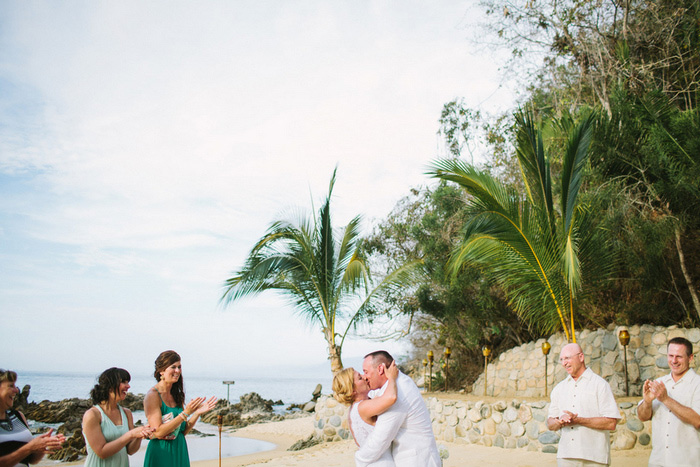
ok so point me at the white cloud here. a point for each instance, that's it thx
(157, 141)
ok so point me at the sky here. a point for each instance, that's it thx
(145, 147)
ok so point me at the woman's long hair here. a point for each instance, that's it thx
(164, 360)
(108, 382)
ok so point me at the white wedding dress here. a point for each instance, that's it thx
(362, 430)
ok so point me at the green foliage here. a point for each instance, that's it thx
(576, 51)
(462, 312)
(540, 256)
(554, 237)
(323, 273)
(650, 151)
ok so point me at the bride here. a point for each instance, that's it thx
(350, 387)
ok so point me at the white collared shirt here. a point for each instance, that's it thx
(589, 396)
(675, 443)
(379, 391)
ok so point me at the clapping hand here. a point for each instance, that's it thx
(206, 406)
(142, 432)
(47, 442)
(568, 418)
(647, 393)
(654, 390)
(659, 390)
(193, 405)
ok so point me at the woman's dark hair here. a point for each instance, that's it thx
(8, 375)
(164, 360)
(107, 383)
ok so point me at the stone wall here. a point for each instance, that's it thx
(518, 424)
(331, 420)
(520, 372)
(502, 424)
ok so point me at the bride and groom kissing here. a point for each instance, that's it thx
(388, 417)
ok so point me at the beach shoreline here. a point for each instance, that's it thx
(341, 454)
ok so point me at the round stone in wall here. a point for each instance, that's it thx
(634, 424)
(549, 437)
(644, 439)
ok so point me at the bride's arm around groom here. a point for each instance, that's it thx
(405, 428)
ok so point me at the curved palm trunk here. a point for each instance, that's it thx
(334, 357)
(686, 275)
(333, 351)
(572, 337)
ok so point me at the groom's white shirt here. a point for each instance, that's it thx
(407, 424)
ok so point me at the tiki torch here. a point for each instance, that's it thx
(624, 340)
(220, 421)
(486, 351)
(546, 347)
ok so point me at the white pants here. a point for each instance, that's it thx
(577, 463)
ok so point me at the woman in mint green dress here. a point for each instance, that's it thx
(108, 428)
(167, 413)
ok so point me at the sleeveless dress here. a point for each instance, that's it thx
(361, 430)
(111, 432)
(170, 452)
(13, 435)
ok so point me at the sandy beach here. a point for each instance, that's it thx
(285, 433)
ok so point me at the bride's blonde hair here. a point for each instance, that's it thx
(344, 386)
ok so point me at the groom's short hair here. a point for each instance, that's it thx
(380, 356)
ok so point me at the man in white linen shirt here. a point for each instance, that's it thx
(672, 402)
(584, 409)
(405, 427)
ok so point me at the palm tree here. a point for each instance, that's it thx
(541, 256)
(324, 274)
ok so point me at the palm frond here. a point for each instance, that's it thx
(321, 272)
(533, 161)
(575, 161)
(535, 254)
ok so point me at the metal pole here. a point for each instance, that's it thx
(486, 351)
(546, 347)
(430, 360)
(624, 337)
(447, 370)
(448, 353)
(627, 382)
(228, 390)
(486, 367)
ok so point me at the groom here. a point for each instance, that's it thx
(405, 428)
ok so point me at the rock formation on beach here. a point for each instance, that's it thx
(252, 408)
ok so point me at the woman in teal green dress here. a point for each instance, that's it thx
(167, 413)
(108, 428)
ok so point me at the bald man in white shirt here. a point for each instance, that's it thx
(584, 410)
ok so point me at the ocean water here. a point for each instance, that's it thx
(58, 386)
